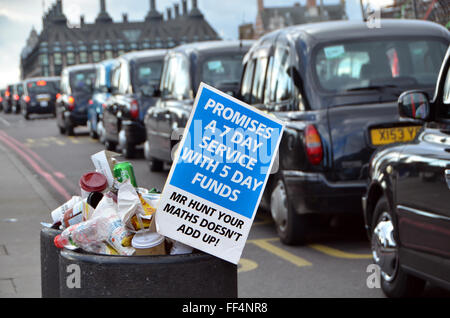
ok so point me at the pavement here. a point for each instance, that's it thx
(24, 203)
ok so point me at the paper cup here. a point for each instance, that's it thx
(148, 243)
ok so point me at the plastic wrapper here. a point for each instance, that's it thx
(130, 206)
(87, 235)
(92, 235)
(118, 236)
(105, 208)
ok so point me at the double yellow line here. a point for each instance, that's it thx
(301, 262)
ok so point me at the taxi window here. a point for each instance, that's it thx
(42, 87)
(176, 82)
(404, 63)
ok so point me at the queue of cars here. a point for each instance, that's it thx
(350, 133)
(32, 96)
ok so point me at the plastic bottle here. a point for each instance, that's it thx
(92, 234)
(86, 235)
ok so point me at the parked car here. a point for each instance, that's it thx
(102, 93)
(7, 101)
(2, 96)
(39, 96)
(335, 84)
(134, 83)
(17, 96)
(77, 86)
(217, 63)
(407, 205)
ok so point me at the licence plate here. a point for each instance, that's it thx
(44, 104)
(385, 136)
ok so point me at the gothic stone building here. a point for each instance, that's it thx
(272, 18)
(61, 44)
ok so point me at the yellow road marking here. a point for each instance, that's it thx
(263, 220)
(337, 253)
(58, 141)
(74, 140)
(294, 259)
(246, 265)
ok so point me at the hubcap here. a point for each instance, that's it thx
(278, 205)
(89, 127)
(101, 132)
(122, 139)
(384, 247)
(147, 150)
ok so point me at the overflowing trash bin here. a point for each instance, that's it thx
(104, 243)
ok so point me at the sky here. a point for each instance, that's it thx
(18, 17)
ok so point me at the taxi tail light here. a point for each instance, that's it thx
(71, 103)
(134, 109)
(313, 143)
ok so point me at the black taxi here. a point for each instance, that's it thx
(336, 86)
(407, 205)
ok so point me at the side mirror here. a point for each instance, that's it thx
(414, 104)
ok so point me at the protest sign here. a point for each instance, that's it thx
(217, 179)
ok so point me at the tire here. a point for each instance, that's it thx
(25, 114)
(62, 130)
(292, 228)
(101, 133)
(395, 282)
(128, 151)
(156, 165)
(69, 128)
(110, 145)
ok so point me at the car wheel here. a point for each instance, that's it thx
(62, 130)
(25, 114)
(68, 127)
(110, 145)
(156, 165)
(291, 227)
(69, 130)
(101, 133)
(127, 149)
(395, 282)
